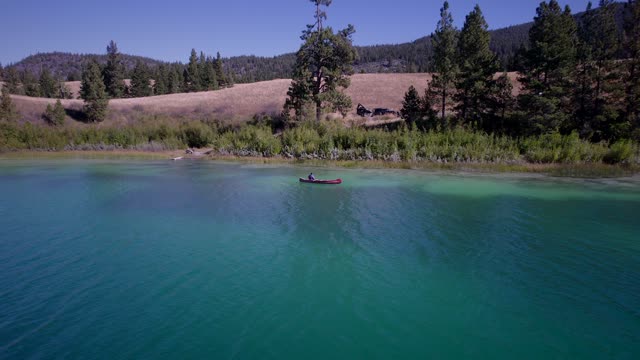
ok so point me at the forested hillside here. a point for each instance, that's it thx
(68, 66)
(394, 58)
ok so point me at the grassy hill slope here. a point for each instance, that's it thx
(241, 102)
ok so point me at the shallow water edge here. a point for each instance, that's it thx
(584, 170)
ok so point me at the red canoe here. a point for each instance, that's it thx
(332, 182)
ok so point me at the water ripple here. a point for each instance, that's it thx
(199, 260)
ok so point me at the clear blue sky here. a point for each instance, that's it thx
(167, 30)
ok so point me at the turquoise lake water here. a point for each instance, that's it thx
(203, 260)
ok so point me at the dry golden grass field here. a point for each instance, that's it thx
(240, 102)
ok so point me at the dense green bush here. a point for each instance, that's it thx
(301, 140)
(555, 148)
(197, 135)
(326, 140)
(620, 152)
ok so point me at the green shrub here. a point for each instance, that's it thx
(328, 140)
(55, 114)
(197, 135)
(620, 152)
(301, 140)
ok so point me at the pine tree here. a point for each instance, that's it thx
(30, 84)
(429, 102)
(7, 108)
(598, 92)
(202, 71)
(1, 72)
(220, 75)
(632, 78)
(92, 91)
(192, 73)
(583, 91)
(518, 59)
(230, 78)
(48, 86)
(549, 67)
(140, 80)
(501, 103)
(411, 106)
(444, 42)
(323, 65)
(161, 80)
(477, 65)
(114, 72)
(55, 115)
(608, 103)
(185, 80)
(211, 77)
(12, 80)
(175, 80)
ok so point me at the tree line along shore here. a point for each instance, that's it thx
(579, 102)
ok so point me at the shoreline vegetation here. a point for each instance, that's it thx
(582, 170)
(327, 143)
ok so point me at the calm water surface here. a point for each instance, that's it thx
(194, 260)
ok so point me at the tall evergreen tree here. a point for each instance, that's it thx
(12, 80)
(211, 78)
(501, 103)
(7, 108)
(114, 72)
(230, 79)
(92, 91)
(323, 65)
(192, 73)
(1, 72)
(632, 78)
(477, 65)
(418, 110)
(583, 90)
(30, 84)
(175, 80)
(444, 41)
(161, 80)
(518, 59)
(429, 103)
(140, 80)
(608, 92)
(48, 85)
(185, 83)
(202, 71)
(221, 78)
(549, 67)
(598, 92)
(411, 106)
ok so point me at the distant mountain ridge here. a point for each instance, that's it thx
(393, 58)
(68, 66)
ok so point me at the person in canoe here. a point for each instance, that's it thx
(311, 177)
